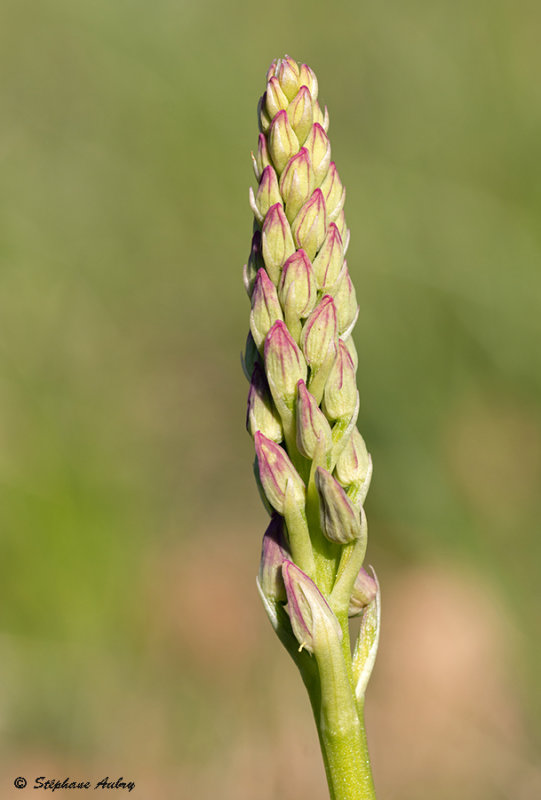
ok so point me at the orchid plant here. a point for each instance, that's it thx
(312, 466)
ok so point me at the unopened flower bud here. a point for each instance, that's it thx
(255, 263)
(287, 72)
(276, 471)
(284, 364)
(250, 357)
(352, 350)
(273, 556)
(307, 77)
(328, 262)
(297, 183)
(340, 396)
(266, 309)
(277, 242)
(300, 113)
(268, 193)
(319, 335)
(261, 415)
(340, 520)
(312, 425)
(333, 192)
(297, 288)
(310, 225)
(276, 100)
(345, 301)
(312, 619)
(262, 116)
(354, 463)
(319, 148)
(364, 592)
(262, 157)
(283, 144)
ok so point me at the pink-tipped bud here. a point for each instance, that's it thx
(300, 113)
(352, 350)
(322, 118)
(287, 72)
(319, 335)
(275, 98)
(273, 555)
(312, 619)
(341, 396)
(261, 415)
(345, 301)
(266, 308)
(365, 590)
(297, 183)
(329, 260)
(276, 472)
(312, 425)
(340, 521)
(354, 464)
(319, 147)
(307, 77)
(297, 288)
(333, 192)
(277, 241)
(283, 144)
(310, 225)
(284, 364)
(268, 193)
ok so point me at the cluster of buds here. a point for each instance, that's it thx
(312, 465)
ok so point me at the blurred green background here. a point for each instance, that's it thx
(132, 641)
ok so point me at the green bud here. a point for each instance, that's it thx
(297, 183)
(284, 365)
(275, 99)
(329, 260)
(276, 472)
(340, 396)
(297, 289)
(345, 301)
(261, 415)
(268, 193)
(354, 464)
(283, 144)
(266, 308)
(277, 241)
(333, 192)
(319, 335)
(287, 72)
(319, 148)
(340, 521)
(312, 425)
(301, 115)
(310, 225)
(312, 619)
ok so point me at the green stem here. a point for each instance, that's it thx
(340, 725)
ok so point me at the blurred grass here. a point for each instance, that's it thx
(124, 223)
